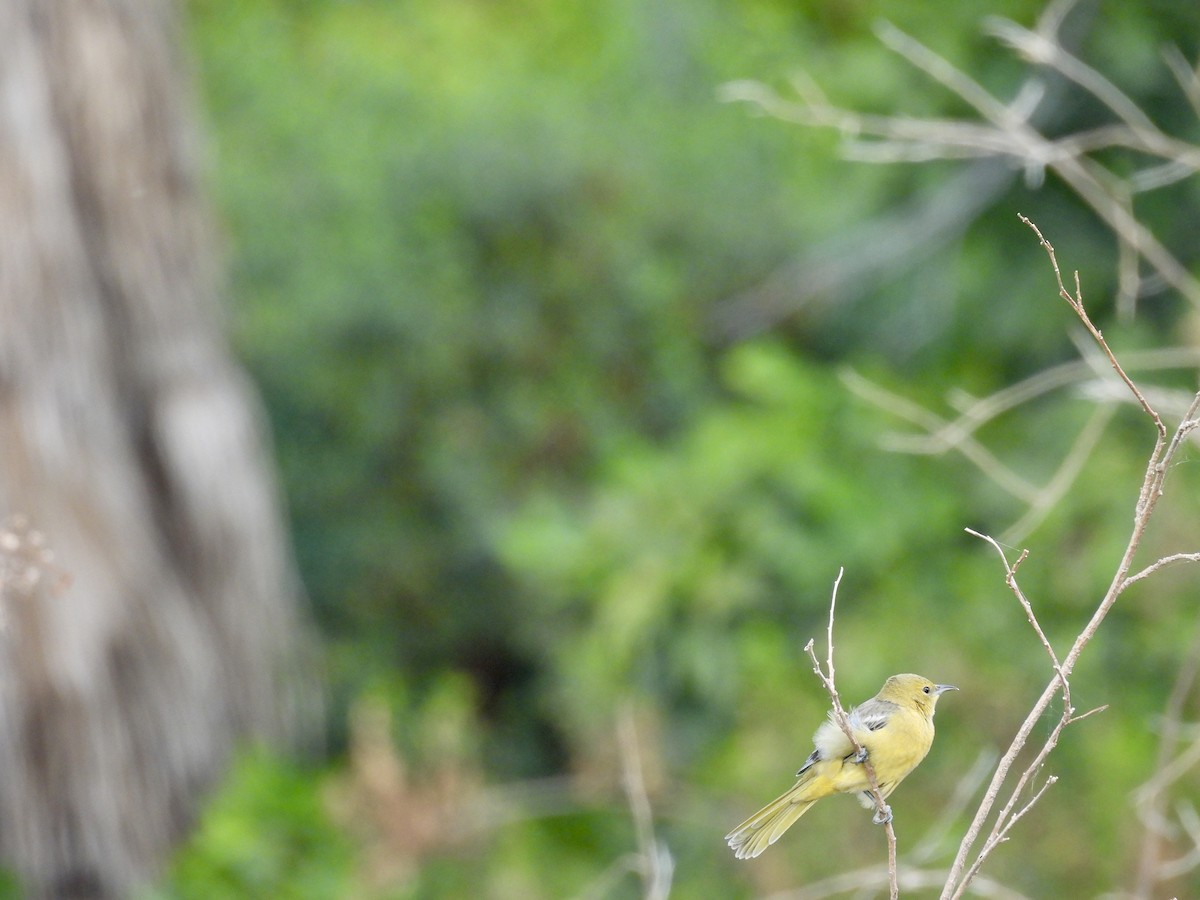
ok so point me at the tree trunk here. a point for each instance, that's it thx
(132, 443)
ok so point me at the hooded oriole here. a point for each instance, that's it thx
(894, 728)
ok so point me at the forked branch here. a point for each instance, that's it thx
(961, 874)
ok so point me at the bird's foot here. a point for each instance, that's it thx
(860, 755)
(882, 817)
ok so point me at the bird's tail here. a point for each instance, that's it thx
(766, 826)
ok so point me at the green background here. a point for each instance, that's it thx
(544, 477)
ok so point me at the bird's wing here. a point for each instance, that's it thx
(872, 715)
(831, 742)
(813, 758)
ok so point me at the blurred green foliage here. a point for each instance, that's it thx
(266, 835)
(478, 251)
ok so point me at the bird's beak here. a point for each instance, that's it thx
(940, 689)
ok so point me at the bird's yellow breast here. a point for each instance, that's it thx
(894, 751)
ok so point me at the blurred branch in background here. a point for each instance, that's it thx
(654, 861)
(1007, 131)
(1089, 379)
(849, 265)
(846, 266)
(1175, 758)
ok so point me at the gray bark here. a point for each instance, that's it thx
(165, 628)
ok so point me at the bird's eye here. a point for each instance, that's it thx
(925, 689)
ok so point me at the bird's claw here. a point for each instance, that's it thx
(860, 755)
(882, 817)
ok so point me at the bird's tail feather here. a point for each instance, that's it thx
(766, 826)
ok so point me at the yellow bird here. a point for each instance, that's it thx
(894, 728)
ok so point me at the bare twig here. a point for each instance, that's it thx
(1162, 564)
(1041, 48)
(1007, 818)
(1161, 457)
(943, 435)
(1000, 832)
(828, 679)
(652, 862)
(1076, 302)
(1010, 578)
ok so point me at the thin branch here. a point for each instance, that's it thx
(1151, 491)
(950, 76)
(1003, 834)
(1161, 564)
(1000, 834)
(1068, 470)
(1089, 713)
(1010, 578)
(1065, 477)
(843, 721)
(1007, 818)
(1136, 131)
(956, 886)
(1076, 302)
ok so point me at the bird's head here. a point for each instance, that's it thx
(914, 690)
